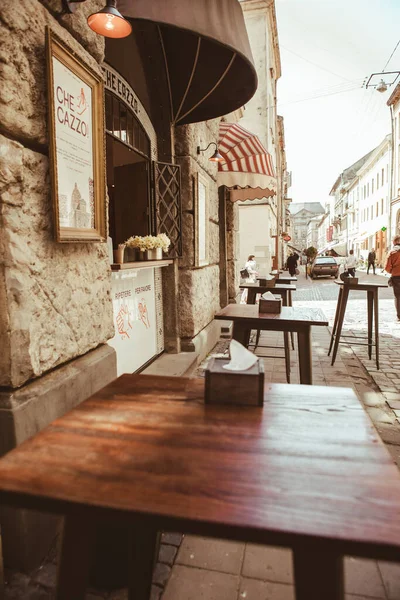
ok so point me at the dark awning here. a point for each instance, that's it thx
(206, 51)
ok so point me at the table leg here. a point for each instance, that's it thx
(336, 319)
(376, 327)
(241, 334)
(287, 354)
(342, 310)
(73, 567)
(370, 300)
(144, 542)
(318, 575)
(251, 295)
(305, 362)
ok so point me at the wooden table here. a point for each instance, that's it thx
(306, 471)
(372, 290)
(283, 290)
(246, 317)
(286, 279)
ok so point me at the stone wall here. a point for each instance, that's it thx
(54, 298)
(198, 285)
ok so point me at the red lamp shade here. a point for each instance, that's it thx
(109, 22)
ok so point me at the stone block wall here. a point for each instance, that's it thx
(54, 298)
(198, 285)
(233, 249)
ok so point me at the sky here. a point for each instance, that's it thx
(328, 48)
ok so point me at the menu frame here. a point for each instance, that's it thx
(80, 215)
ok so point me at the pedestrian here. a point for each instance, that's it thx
(393, 267)
(350, 264)
(292, 264)
(251, 268)
(371, 260)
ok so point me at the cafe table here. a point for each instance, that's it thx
(282, 290)
(306, 471)
(372, 290)
(246, 317)
(285, 279)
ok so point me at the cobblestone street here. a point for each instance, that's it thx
(201, 568)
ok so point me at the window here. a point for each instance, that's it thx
(377, 209)
(382, 206)
(383, 176)
(367, 189)
(377, 180)
(122, 124)
(372, 186)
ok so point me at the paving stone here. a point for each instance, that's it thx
(209, 553)
(161, 574)
(167, 554)
(254, 589)
(188, 583)
(362, 576)
(268, 563)
(174, 539)
(391, 579)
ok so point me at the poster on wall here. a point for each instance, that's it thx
(76, 140)
(134, 307)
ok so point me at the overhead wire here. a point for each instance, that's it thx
(390, 57)
(315, 64)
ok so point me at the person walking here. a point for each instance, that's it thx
(292, 264)
(393, 267)
(350, 264)
(371, 260)
(251, 267)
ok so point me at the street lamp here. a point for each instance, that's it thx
(387, 79)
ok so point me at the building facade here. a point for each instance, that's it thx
(301, 214)
(394, 105)
(261, 220)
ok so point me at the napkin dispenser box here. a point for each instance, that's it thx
(270, 306)
(351, 281)
(240, 388)
(269, 283)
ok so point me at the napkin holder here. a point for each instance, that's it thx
(351, 281)
(268, 282)
(240, 388)
(272, 306)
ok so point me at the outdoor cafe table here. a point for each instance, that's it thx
(306, 471)
(372, 290)
(246, 317)
(286, 279)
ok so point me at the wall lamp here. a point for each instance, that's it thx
(107, 22)
(216, 157)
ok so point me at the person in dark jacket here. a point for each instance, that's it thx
(292, 264)
(371, 260)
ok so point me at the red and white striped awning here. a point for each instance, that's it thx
(248, 166)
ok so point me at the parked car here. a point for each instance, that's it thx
(323, 265)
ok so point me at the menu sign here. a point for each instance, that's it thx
(134, 307)
(76, 146)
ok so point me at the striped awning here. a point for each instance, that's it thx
(247, 169)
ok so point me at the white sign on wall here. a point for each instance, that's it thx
(134, 306)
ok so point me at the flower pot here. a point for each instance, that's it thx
(154, 254)
(130, 254)
(119, 255)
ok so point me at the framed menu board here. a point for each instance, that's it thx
(76, 145)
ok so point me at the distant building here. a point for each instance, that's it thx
(301, 214)
(394, 103)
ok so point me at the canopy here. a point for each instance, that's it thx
(339, 247)
(247, 166)
(206, 52)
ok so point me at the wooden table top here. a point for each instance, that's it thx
(286, 277)
(292, 314)
(363, 285)
(283, 286)
(307, 467)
